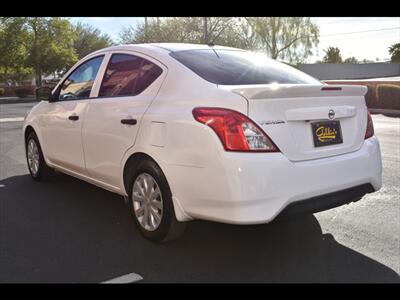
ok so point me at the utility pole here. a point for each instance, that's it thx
(145, 29)
(205, 30)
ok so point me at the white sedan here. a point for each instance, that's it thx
(204, 132)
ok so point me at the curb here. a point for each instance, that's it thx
(17, 100)
(389, 112)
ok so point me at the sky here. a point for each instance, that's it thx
(361, 37)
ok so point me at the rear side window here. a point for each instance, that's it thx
(236, 67)
(127, 75)
(149, 73)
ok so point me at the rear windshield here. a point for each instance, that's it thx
(235, 67)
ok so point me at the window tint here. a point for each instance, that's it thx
(149, 73)
(235, 67)
(79, 83)
(120, 76)
(127, 75)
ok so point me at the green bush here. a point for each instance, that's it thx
(23, 92)
(388, 96)
(2, 91)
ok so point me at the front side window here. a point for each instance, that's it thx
(79, 83)
(128, 75)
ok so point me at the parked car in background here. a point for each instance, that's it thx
(189, 132)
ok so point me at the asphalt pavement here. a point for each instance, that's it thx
(67, 230)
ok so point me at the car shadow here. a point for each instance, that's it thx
(67, 230)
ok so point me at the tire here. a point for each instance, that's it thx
(167, 227)
(43, 172)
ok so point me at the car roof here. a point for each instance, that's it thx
(186, 46)
(166, 47)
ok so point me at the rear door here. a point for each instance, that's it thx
(130, 81)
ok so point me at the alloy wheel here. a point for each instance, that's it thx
(33, 156)
(147, 201)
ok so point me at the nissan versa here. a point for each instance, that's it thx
(204, 132)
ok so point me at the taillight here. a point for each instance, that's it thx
(370, 126)
(236, 131)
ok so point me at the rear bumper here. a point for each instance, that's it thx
(328, 201)
(243, 188)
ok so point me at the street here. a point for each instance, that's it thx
(67, 230)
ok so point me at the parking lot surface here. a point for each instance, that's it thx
(67, 230)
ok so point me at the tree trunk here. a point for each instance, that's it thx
(38, 72)
(38, 78)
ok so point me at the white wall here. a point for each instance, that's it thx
(350, 71)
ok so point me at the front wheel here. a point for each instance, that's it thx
(150, 203)
(34, 156)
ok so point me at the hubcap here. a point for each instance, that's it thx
(33, 156)
(147, 202)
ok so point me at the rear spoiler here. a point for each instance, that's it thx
(262, 91)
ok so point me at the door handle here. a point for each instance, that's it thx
(129, 121)
(73, 118)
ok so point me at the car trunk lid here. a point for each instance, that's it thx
(286, 113)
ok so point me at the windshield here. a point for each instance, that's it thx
(236, 67)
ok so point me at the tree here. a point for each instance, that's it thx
(219, 30)
(246, 37)
(50, 45)
(44, 45)
(351, 60)
(89, 39)
(332, 56)
(367, 61)
(394, 51)
(287, 38)
(238, 34)
(153, 31)
(199, 30)
(41, 46)
(12, 51)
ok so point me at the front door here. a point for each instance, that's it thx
(63, 119)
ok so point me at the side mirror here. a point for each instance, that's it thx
(43, 93)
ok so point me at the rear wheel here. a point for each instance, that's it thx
(34, 156)
(150, 203)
